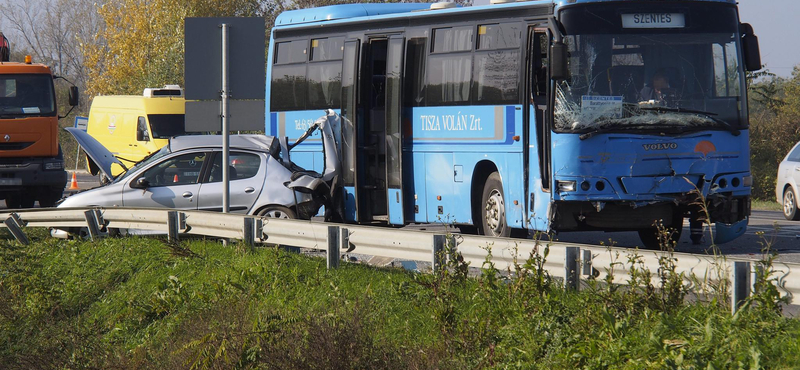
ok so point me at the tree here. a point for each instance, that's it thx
(141, 41)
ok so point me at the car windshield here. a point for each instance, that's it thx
(628, 78)
(143, 163)
(24, 95)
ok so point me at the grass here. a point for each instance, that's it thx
(766, 205)
(140, 303)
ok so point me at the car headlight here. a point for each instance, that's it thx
(53, 165)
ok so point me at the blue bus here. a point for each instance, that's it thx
(560, 115)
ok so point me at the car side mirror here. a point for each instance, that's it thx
(141, 183)
(73, 96)
(558, 61)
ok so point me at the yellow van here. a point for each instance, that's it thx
(131, 127)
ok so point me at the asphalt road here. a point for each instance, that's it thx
(765, 228)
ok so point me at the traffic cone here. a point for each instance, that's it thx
(175, 179)
(74, 184)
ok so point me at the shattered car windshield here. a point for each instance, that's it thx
(651, 81)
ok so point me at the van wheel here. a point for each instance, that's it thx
(277, 212)
(789, 205)
(493, 208)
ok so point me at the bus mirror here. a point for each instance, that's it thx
(73, 96)
(558, 61)
(752, 56)
(141, 135)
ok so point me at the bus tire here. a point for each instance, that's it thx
(493, 208)
(651, 236)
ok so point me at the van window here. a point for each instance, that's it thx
(165, 126)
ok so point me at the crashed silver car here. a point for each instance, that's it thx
(187, 174)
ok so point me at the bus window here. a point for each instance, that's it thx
(496, 75)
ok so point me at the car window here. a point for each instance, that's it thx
(794, 156)
(181, 170)
(241, 166)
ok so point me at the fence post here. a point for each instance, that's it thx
(249, 231)
(571, 278)
(439, 242)
(333, 247)
(173, 225)
(13, 224)
(91, 224)
(741, 284)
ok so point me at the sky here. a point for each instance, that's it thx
(776, 24)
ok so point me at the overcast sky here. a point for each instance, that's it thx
(777, 26)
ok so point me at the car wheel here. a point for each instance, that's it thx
(277, 212)
(493, 208)
(789, 205)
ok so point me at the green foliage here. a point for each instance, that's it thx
(141, 303)
(774, 127)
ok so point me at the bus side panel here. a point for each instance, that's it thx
(510, 169)
(415, 192)
(439, 183)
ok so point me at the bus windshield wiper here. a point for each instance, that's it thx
(606, 128)
(709, 115)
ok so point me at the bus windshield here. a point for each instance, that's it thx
(26, 95)
(651, 80)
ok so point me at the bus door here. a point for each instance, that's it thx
(537, 83)
(379, 149)
(349, 125)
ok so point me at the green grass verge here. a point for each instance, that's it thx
(139, 303)
(765, 205)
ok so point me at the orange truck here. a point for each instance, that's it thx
(31, 161)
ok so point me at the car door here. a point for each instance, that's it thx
(247, 171)
(173, 182)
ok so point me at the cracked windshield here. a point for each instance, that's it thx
(651, 81)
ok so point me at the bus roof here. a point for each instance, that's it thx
(370, 11)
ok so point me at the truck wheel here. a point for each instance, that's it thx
(20, 201)
(493, 208)
(50, 197)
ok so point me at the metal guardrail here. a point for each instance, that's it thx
(567, 261)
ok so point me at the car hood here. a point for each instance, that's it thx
(101, 156)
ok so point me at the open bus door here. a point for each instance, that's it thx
(394, 147)
(538, 129)
(349, 124)
(378, 132)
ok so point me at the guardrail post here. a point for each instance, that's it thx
(741, 284)
(14, 225)
(333, 247)
(587, 263)
(249, 231)
(439, 243)
(173, 225)
(91, 224)
(571, 278)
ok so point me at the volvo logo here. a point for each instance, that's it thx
(660, 146)
(7, 138)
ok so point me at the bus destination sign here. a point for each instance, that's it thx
(653, 20)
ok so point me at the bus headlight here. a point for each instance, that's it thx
(564, 186)
(53, 165)
(747, 181)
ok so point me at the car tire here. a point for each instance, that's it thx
(276, 212)
(493, 210)
(789, 205)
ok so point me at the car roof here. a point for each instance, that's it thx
(262, 143)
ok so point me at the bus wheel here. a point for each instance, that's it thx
(493, 208)
(276, 212)
(651, 237)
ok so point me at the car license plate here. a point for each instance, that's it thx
(10, 182)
